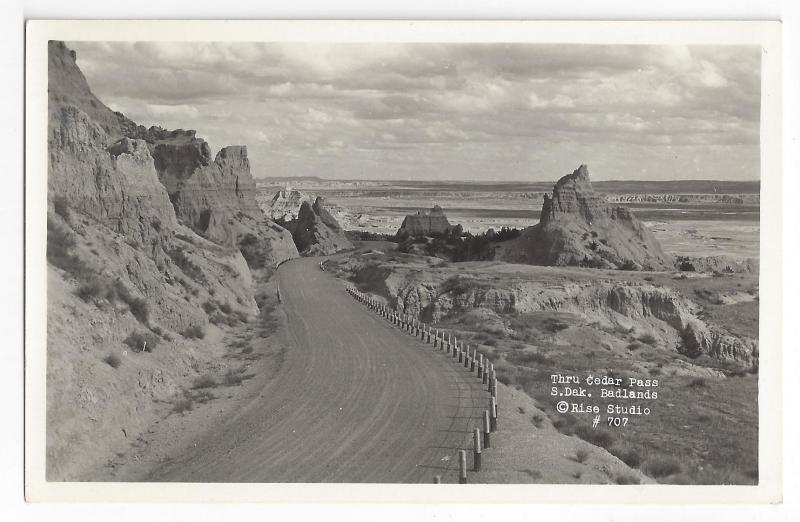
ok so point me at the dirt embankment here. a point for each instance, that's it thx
(119, 364)
(628, 302)
(151, 251)
(534, 321)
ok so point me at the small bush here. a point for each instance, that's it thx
(219, 318)
(704, 418)
(581, 456)
(112, 360)
(194, 331)
(625, 479)
(138, 308)
(537, 420)
(554, 325)
(629, 456)
(648, 339)
(225, 308)
(662, 467)
(634, 346)
(208, 307)
(204, 381)
(597, 436)
(233, 378)
(698, 382)
(529, 359)
(61, 207)
(178, 256)
(136, 341)
(182, 405)
(60, 243)
(93, 289)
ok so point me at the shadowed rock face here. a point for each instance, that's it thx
(579, 227)
(285, 204)
(425, 223)
(316, 231)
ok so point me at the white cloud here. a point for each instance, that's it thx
(435, 110)
(710, 75)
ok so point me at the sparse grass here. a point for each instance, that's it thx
(113, 360)
(661, 467)
(95, 288)
(689, 426)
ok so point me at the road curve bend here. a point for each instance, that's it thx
(356, 400)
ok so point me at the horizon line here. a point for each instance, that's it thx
(321, 178)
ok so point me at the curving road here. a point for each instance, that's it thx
(356, 400)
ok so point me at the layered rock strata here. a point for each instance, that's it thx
(578, 227)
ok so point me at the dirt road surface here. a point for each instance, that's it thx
(356, 400)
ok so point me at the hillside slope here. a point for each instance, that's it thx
(139, 294)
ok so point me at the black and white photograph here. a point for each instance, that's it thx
(423, 262)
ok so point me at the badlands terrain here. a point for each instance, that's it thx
(612, 302)
(192, 334)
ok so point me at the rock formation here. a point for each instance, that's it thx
(426, 223)
(579, 227)
(214, 198)
(316, 231)
(285, 204)
(147, 238)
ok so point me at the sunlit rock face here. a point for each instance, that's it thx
(579, 227)
(426, 223)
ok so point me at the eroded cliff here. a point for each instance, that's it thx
(578, 227)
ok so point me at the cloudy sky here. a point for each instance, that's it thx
(448, 111)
